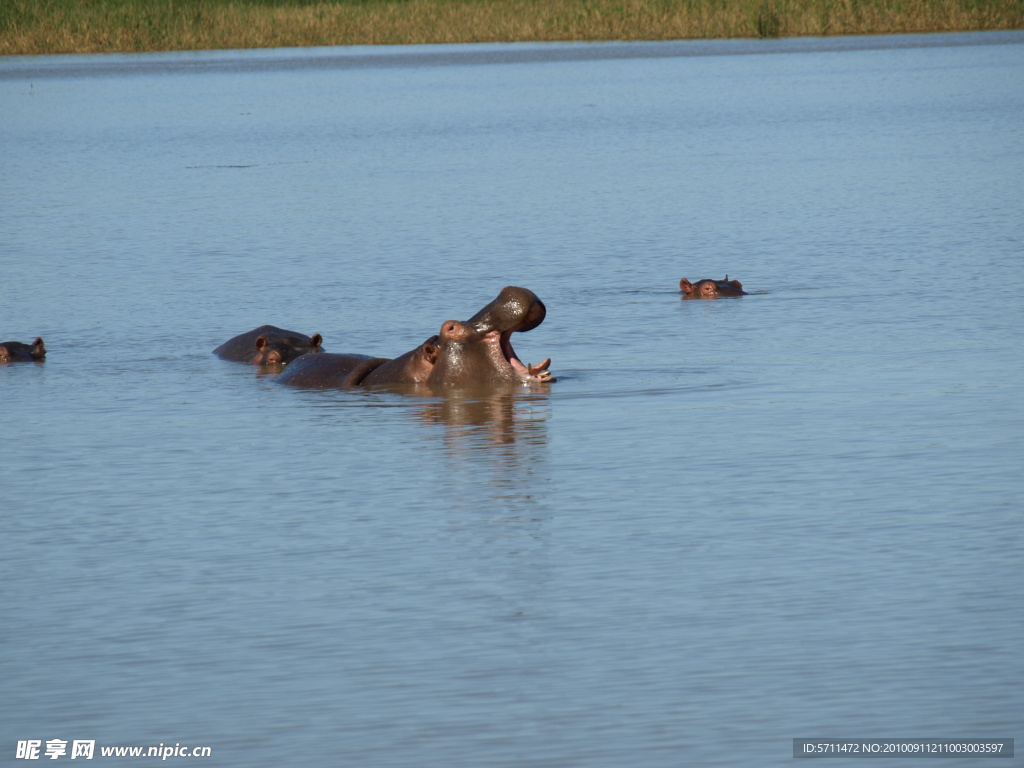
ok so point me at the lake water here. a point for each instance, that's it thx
(730, 523)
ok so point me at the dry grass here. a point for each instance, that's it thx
(65, 26)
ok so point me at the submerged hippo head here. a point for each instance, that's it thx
(268, 345)
(281, 350)
(16, 352)
(710, 289)
(479, 351)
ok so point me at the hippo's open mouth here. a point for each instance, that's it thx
(529, 373)
(514, 310)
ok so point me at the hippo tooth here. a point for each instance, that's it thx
(536, 370)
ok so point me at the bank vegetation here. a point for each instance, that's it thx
(80, 26)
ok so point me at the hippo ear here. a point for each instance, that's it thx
(38, 350)
(261, 342)
(734, 283)
(316, 340)
(685, 286)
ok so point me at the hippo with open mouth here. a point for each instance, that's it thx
(475, 353)
(711, 289)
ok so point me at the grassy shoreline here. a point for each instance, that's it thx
(93, 26)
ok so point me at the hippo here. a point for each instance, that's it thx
(16, 352)
(470, 354)
(710, 289)
(268, 345)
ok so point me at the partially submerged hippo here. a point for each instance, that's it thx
(709, 289)
(16, 352)
(474, 353)
(268, 345)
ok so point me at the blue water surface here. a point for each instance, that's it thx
(728, 524)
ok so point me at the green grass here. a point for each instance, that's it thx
(67, 26)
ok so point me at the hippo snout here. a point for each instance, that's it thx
(513, 310)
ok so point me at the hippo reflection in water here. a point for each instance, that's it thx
(268, 345)
(710, 289)
(475, 353)
(16, 352)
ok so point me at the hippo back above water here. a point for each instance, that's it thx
(476, 353)
(268, 345)
(16, 352)
(711, 289)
